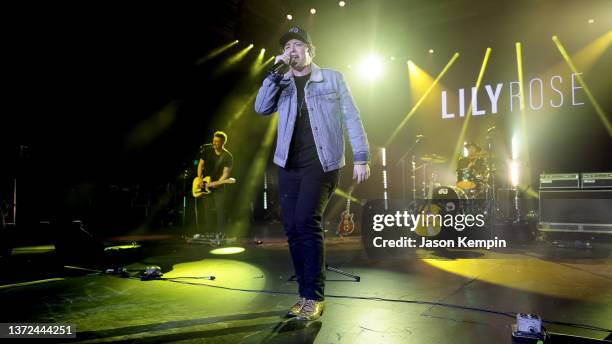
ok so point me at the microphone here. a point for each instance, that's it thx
(280, 65)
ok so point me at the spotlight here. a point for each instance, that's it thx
(227, 250)
(392, 58)
(289, 17)
(341, 3)
(371, 67)
(431, 51)
(313, 11)
(591, 21)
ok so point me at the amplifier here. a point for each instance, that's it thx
(560, 181)
(599, 180)
(576, 211)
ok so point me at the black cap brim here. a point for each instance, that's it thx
(292, 35)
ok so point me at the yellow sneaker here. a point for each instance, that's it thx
(297, 307)
(312, 310)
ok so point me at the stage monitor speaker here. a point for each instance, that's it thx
(576, 210)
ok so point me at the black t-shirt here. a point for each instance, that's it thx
(302, 150)
(213, 163)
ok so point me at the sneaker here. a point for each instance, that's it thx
(312, 310)
(297, 307)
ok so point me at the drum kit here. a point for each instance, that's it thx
(473, 190)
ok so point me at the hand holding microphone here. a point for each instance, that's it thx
(282, 63)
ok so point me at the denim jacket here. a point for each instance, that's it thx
(332, 111)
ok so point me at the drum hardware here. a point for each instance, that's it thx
(403, 160)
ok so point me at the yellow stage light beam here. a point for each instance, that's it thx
(255, 174)
(244, 106)
(468, 115)
(341, 193)
(216, 52)
(420, 81)
(495, 271)
(600, 112)
(239, 55)
(232, 60)
(151, 128)
(585, 58)
(269, 60)
(257, 64)
(416, 106)
(525, 150)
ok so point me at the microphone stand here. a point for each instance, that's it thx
(491, 197)
(402, 160)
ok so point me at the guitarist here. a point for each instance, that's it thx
(216, 162)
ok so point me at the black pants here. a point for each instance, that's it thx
(213, 207)
(304, 194)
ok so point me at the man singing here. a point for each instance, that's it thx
(314, 109)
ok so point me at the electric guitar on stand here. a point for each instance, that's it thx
(347, 225)
(198, 190)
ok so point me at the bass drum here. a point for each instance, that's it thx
(450, 199)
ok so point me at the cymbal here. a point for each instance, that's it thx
(477, 156)
(433, 159)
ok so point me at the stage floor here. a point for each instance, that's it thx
(445, 299)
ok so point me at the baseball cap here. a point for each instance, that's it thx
(297, 33)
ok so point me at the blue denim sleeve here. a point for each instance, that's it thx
(353, 124)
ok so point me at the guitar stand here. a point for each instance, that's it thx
(333, 269)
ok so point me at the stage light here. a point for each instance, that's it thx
(216, 52)
(349, 66)
(341, 3)
(598, 109)
(289, 17)
(514, 173)
(385, 181)
(591, 21)
(371, 67)
(258, 64)
(238, 56)
(313, 11)
(227, 250)
(519, 65)
(431, 51)
(265, 191)
(420, 101)
(471, 109)
(384, 157)
(392, 58)
(515, 148)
